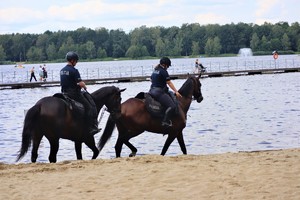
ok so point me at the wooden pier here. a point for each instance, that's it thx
(147, 78)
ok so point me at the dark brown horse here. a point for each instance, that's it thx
(53, 118)
(135, 119)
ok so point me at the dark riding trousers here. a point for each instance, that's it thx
(159, 90)
(163, 97)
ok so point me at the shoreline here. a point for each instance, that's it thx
(271, 174)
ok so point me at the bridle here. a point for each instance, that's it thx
(114, 110)
(195, 88)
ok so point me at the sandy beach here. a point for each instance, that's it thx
(243, 175)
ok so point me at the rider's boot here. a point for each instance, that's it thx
(166, 120)
(93, 125)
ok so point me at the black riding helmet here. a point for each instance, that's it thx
(71, 55)
(165, 60)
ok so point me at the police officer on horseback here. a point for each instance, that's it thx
(159, 90)
(71, 85)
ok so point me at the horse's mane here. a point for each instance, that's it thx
(104, 91)
(185, 88)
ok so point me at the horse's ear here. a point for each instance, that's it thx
(122, 90)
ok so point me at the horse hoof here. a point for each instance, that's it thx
(95, 156)
(132, 154)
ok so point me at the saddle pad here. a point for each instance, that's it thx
(154, 107)
(76, 106)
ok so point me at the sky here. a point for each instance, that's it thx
(32, 16)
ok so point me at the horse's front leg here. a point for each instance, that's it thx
(118, 146)
(181, 143)
(78, 146)
(168, 142)
(90, 142)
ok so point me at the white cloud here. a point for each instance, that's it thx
(274, 11)
(18, 15)
(265, 7)
(211, 18)
(33, 17)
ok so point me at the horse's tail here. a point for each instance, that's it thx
(109, 128)
(29, 124)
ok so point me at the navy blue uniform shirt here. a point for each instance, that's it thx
(159, 77)
(69, 77)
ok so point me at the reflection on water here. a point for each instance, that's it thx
(245, 113)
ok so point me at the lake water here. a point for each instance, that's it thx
(244, 113)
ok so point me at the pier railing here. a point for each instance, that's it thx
(18, 76)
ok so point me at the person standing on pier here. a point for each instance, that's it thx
(41, 73)
(32, 75)
(45, 74)
(71, 85)
(199, 67)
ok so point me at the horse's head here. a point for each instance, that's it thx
(109, 96)
(197, 88)
(113, 102)
(192, 88)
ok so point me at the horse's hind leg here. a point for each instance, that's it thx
(90, 142)
(132, 148)
(54, 145)
(168, 142)
(35, 146)
(181, 143)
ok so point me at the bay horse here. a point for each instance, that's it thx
(135, 119)
(53, 118)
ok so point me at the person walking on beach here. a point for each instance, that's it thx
(32, 75)
(159, 91)
(71, 85)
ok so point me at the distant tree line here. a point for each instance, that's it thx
(187, 40)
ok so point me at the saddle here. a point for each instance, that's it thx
(75, 106)
(154, 107)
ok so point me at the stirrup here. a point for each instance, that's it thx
(94, 131)
(167, 123)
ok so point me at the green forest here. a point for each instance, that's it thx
(143, 42)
